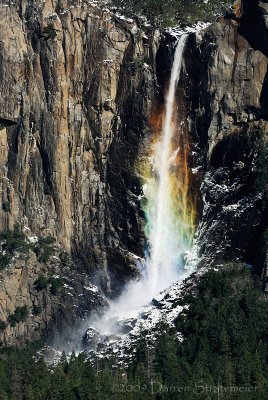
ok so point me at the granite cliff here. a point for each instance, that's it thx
(75, 93)
(77, 85)
(224, 87)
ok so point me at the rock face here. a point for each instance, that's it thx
(254, 24)
(227, 93)
(77, 84)
(53, 295)
(74, 98)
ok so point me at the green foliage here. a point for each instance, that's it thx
(224, 331)
(15, 240)
(4, 261)
(44, 248)
(41, 283)
(50, 32)
(37, 310)
(45, 255)
(20, 315)
(172, 12)
(224, 335)
(46, 241)
(56, 285)
(3, 325)
(6, 206)
(64, 257)
(12, 241)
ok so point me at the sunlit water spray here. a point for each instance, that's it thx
(169, 211)
(166, 209)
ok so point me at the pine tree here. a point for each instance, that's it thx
(59, 388)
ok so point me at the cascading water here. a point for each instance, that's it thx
(169, 212)
(168, 225)
(168, 209)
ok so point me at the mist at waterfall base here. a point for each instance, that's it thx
(169, 212)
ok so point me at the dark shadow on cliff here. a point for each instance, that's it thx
(264, 95)
(253, 26)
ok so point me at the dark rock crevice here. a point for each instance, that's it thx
(253, 24)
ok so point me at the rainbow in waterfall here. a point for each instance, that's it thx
(168, 205)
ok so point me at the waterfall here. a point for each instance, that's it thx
(168, 209)
(167, 243)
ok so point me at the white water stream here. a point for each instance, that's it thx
(167, 241)
(167, 244)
